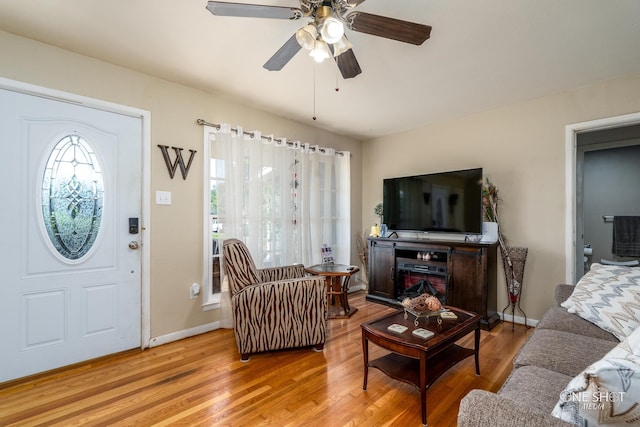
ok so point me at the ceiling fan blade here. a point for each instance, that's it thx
(221, 8)
(348, 64)
(390, 28)
(283, 55)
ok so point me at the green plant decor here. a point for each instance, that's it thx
(378, 210)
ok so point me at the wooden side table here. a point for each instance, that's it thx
(337, 277)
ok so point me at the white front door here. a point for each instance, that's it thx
(70, 276)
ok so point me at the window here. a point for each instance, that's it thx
(284, 200)
(72, 197)
(216, 179)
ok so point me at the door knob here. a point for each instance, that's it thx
(133, 245)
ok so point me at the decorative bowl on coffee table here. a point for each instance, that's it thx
(423, 314)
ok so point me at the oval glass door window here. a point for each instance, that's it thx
(72, 197)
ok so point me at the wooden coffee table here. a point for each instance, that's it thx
(416, 360)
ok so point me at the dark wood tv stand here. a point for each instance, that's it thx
(468, 272)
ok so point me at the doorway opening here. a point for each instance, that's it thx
(593, 148)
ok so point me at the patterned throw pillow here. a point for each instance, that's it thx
(608, 296)
(607, 393)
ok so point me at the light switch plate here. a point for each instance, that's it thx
(163, 197)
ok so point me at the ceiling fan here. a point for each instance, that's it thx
(324, 35)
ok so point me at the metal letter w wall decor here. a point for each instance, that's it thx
(178, 162)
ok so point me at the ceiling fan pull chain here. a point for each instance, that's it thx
(314, 91)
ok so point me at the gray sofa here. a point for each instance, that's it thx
(561, 346)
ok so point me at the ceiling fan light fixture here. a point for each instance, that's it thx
(306, 36)
(320, 51)
(332, 30)
(341, 46)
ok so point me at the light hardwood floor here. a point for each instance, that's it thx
(200, 381)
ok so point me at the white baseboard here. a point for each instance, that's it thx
(518, 319)
(358, 286)
(185, 333)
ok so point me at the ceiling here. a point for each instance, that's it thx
(481, 54)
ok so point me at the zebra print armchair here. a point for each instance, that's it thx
(273, 308)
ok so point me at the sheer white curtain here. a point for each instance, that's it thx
(283, 199)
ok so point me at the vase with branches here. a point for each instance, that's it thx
(513, 258)
(362, 247)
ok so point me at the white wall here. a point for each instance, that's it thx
(176, 230)
(522, 150)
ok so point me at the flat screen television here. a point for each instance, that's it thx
(448, 202)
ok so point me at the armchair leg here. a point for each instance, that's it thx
(244, 357)
(318, 347)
